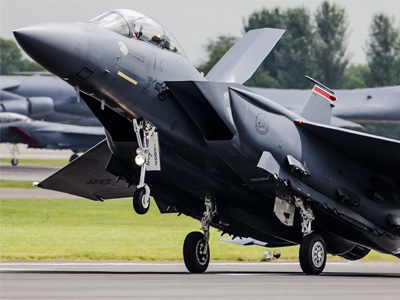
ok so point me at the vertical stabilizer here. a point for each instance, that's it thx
(243, 59)
(318, 107)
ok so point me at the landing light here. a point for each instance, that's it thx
(139, 159)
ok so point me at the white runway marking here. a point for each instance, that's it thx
(141, 263)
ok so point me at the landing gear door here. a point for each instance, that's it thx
(154, 151)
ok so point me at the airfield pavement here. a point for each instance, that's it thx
(170, 280)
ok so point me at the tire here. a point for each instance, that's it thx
(195, 258)
(14, 161)
(73, 157)
(140, 203)
(312, 254)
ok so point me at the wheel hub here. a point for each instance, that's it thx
(201, 253)
(318, 254)
(145, 201)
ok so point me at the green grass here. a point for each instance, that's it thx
(16, 184)
(81, 229)
(37, 161)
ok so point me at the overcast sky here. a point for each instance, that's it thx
(192, 22)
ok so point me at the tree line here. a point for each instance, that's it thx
(11, 60)
(315, 44)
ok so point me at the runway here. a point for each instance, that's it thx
(32, 173)
(223, 280)
(27, 172)
(170, 280)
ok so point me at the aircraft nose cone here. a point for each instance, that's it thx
(58, 47)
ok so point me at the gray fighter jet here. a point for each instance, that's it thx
(46, 98)
(212, 149)
(16, 128)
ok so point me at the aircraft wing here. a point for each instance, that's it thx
(24, 136)
(379, 153)
(73, 130)
(339, 122)
(8, 83)
(243, 59)
(87, 177)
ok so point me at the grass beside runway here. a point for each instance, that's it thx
(110, 230)
(37, 161)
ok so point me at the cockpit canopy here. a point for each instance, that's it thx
(135, 25)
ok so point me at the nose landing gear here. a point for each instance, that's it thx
(148, 158)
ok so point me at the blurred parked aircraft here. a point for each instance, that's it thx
(46, 98)
(16, 128)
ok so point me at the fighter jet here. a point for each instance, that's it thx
(212, 149)
(46, 98)
(16, 128)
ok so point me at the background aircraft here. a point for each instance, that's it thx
(44, 97)
(48, 98)
(216, 151)
(16, 128)
(373, 104)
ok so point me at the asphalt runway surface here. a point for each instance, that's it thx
(223, 280)
(27, 172)
(34, 173)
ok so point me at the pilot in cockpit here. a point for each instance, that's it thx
(136, 34)
(138, 26)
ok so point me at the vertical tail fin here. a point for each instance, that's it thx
(318, 107)
(243, 59)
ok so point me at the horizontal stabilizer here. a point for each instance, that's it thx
(378, 153)
(243, 59)
(86, 177)
(339, 122)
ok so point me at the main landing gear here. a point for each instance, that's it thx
(14, 150)
(148, 158)
(196, 252)
(312, 254)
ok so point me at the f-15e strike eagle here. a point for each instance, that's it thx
(210, 148)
